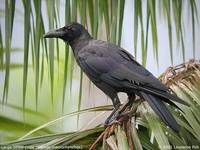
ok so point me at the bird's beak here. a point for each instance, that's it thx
(58, 33)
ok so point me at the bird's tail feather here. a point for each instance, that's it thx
(165, 95)
(159, 93)
(161, 110)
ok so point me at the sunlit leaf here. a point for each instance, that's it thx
(156, 130)
(152, 8)
(192, 4)
(80, 94)
(9, 17)
(37, 4)
(167, 6)
(137, 5)
(67, 20)
(114, 12)
(112, 142)
(63, 139)
(140, 15)
(105, 11)
(136, 140)
(71, 60)
(147, 36)
(82, 5)
(100, 108)
(121, 137)
(27, 9)
(120, 19)
(1, 48)
(51, 17)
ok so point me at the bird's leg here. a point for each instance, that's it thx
(116, 104)
(117, 113)
(131, 98)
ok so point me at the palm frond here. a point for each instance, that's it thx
(27, 9)
(9, 18)
(144, 129)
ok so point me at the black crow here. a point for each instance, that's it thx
(112, 69)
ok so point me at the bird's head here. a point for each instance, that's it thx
(69, 33)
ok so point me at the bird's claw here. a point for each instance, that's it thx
(111, 119)
(117, 114)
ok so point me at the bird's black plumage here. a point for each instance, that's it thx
(112, 69)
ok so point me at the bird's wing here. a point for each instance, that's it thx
(142, 79)
(107, 60)
(136, 73)
(95, 63)
(116, 67)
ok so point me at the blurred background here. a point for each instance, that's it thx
(40, 80)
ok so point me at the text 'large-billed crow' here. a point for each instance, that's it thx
(112, 69)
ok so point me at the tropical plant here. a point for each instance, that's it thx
(47, 76)
(142, 128)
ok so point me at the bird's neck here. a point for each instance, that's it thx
(80, 42)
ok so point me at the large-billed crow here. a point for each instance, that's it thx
(113, 69)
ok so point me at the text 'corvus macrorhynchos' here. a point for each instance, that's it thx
(112, 69)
